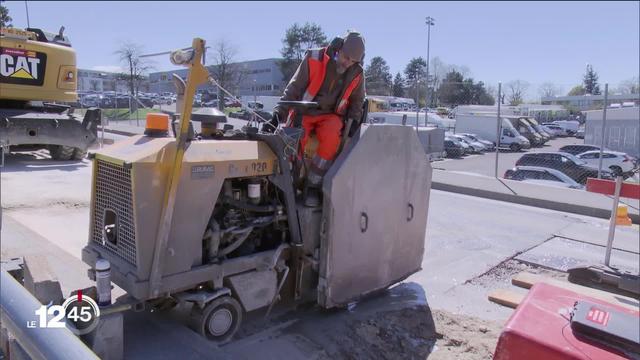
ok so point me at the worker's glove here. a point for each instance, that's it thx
(271, 125)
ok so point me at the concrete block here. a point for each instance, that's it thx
(41, 281)
(107, 340)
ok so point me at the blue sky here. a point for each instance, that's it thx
(498, 41)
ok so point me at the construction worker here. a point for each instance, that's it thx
(332, 77)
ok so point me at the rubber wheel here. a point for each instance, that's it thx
(218, 321)
(616, 169)
(514, 147)
(79, 154)
(61, 152)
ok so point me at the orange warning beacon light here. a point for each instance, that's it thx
(157, 125)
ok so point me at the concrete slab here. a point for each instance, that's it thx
(562, 254)
(18, 240)
(64, 226)
(626, 237)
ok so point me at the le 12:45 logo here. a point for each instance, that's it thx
(78, 313)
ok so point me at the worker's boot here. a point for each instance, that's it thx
(313, 189)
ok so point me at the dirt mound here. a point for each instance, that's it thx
(464, 337)
(410, 334)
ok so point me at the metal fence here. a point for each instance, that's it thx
(496, 139)
(560, 143)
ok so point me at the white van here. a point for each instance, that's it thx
(485, 126)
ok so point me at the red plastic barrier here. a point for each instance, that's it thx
(608, 187)
(539, 329)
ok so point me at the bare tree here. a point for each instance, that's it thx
(516, 91)
(548, 89)
(630, 86)
(129, 54)
(226, 71)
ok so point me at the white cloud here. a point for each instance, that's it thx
(107, 68)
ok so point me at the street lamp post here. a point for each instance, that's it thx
(429, 21)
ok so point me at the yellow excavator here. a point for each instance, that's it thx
(38, 75)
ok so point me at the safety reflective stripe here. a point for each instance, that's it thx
(317, 71)
(344, 101)
(290, 117)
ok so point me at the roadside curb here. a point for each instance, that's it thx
(522, 200)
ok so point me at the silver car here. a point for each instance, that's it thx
(542, 176)
(489, 146)
(477, 147)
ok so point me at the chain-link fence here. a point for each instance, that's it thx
(557, 141)
(126, 108)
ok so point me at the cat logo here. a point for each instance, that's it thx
(22, 66)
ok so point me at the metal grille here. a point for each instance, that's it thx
(113, 192)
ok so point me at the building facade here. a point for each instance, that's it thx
(257, 77)
(621, 130)
(589, 102)
(98, 81)
(103, 81)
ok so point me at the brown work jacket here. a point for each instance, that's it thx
(332, 89)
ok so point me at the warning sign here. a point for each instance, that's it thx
(22, 67)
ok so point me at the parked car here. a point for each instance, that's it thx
(542, 176)
(575, 168)
(617, 162)
(580, 133)
(475, 146)
(489, 146)
(579, 148)
(555, 129)
(465, 146)
(453, 148)
(571, 126)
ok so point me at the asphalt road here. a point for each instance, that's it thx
(484, 164)
(46, 211)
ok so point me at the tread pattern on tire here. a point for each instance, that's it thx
(61, 152)
(79, 154)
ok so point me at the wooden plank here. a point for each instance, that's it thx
(526, 280)
(506, 297)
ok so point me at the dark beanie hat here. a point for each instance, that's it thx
(353, 45)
